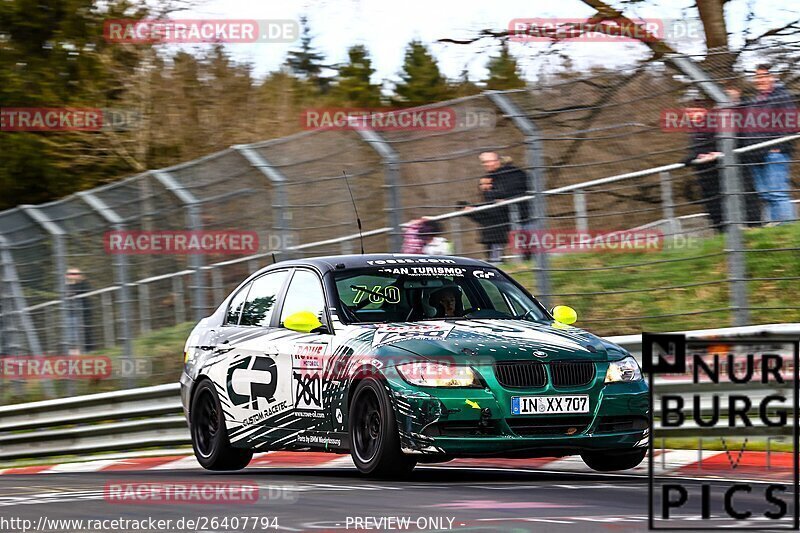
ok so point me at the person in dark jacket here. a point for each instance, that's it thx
(702, 154)
(508, 181)
(752, 203)
(494, 222)
(771, 165)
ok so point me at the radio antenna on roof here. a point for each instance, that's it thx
(358, 219)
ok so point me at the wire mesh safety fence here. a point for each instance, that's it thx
(576, 156)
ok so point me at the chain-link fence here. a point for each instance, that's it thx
(597, 155)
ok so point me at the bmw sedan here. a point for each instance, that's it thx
(405, 359)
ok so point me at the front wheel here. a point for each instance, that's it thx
(209, 438)
(374, 441)
(609, 461)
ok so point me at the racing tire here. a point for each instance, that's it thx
(374, 440)
(610, 461)
(210, 441)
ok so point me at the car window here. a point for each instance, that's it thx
(261, 300)
(304, 294)
(495, 296)
(235, 307)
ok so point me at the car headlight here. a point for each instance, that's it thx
(433, 374)
(623, 370)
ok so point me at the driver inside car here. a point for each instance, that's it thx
(446, 301)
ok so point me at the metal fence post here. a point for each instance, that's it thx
(59, 257)
(455, 229)
(10, 332)
(734, 215)
(144, 307)
(667, 203)
(391, 178)
(731, 185)
(216, 284)
(534, 155)
(12, 282)
(581, 220)
(178, 295)
(120, 273)
(278, 180)
(59, 254)
(108, 319)
(197, 262)
(194, 222)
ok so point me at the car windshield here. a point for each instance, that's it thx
(405, 293)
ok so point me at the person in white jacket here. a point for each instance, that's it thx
(435, 243)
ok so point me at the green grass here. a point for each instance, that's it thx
(162, 349)
(675, 281)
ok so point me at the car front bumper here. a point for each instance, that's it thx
(472, 422)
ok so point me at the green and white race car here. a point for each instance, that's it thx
(405, 359)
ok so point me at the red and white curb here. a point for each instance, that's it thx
(749, 464)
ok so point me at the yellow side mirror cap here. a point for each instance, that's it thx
(302, 321)
(564, 314)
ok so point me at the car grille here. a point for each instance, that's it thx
(527, 374)
(572, 374)
(549, 425)
(518, 375)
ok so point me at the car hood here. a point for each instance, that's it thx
(495, 340)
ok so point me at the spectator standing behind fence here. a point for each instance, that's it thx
(79, 313)
(412, 240)
(493, 222)
(751, 202)
(771, 165)
(423, 236)
(510, 182)
(702, 155)
(435, 242)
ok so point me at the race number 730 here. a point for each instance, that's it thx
(377, 294)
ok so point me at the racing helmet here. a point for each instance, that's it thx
(434, 308)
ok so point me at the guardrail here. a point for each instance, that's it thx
(121, 420)
(149, 417)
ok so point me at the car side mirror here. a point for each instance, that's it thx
(303, 321)
(564, 314)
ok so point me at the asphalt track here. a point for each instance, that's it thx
(435, 498)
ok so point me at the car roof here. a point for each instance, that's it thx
(347, 262)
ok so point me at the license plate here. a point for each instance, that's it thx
(545, 405)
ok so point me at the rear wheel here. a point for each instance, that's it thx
(374, 441)
(209, 438)
(609, 461)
